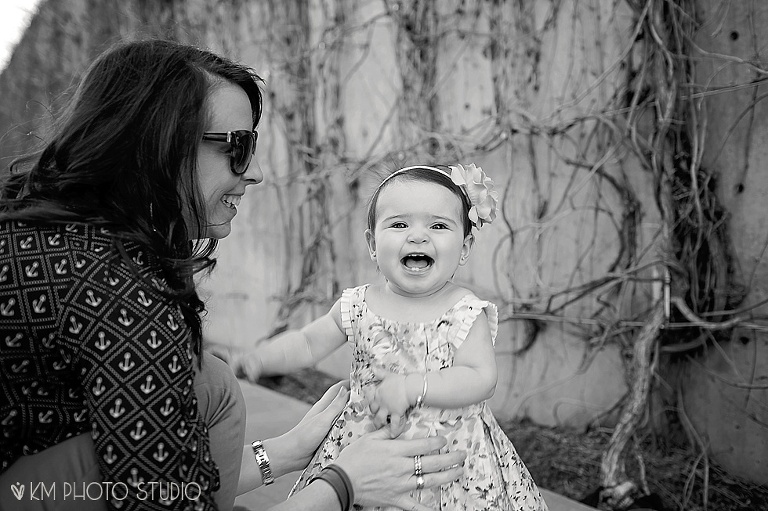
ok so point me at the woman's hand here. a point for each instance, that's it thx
(389, 480)
(297, 446)
(294, 449)
(314, 426)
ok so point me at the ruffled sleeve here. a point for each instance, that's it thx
(350, 301)
(469, 310)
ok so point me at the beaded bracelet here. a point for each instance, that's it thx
(339, 481)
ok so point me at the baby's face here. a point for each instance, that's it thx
(418, 238)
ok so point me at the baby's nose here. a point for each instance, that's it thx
(418, 236)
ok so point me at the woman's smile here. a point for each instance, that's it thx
(231, 201)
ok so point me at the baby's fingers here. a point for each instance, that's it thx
(396, 425)
(248, 367)
(381, 418)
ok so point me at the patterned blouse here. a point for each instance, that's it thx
(87, 345)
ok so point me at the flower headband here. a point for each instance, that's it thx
(476, 186)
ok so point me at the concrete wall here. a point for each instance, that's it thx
(726, 387)
(524, 89)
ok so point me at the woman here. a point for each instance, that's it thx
(108, 398)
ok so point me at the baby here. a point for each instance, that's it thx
(423, 346)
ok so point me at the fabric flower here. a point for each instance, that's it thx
(479, 190)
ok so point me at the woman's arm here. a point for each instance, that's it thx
(294, 349)
(294, 449)
(132, 352)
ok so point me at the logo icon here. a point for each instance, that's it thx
(18, 490)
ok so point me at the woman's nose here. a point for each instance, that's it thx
(253, 174)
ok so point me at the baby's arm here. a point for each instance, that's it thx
(294, 349)
(470, 380)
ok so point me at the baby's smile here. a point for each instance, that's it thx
(417, 262)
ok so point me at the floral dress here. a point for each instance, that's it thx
(494, 476)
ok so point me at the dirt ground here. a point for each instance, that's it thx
(568, 462)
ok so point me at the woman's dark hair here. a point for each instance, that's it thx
(430, 175)
(124, 154)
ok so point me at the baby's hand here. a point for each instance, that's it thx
(389, 402)
(245, 364)
(248, 366)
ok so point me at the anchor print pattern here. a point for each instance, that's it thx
(72, 310)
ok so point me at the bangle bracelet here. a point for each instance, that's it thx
(335, 476)
(347, 484)
(420, 399)
(263, 461)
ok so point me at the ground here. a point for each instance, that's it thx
(568, 462)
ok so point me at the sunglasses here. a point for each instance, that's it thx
(242, 143)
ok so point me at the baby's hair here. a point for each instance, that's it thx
(438, 174)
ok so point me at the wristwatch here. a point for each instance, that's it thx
(263, 461)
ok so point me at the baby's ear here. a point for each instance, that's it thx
(466, 248)
(371, 241)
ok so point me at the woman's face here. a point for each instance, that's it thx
(221, 189)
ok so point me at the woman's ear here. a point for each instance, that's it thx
(371, 241)
(466, 248)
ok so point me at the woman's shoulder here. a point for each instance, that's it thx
(43, 243)
(43, 235)
(69, 252)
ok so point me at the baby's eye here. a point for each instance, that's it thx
(440, 226)
(398, 225)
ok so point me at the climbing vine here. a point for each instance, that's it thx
(622, 148)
